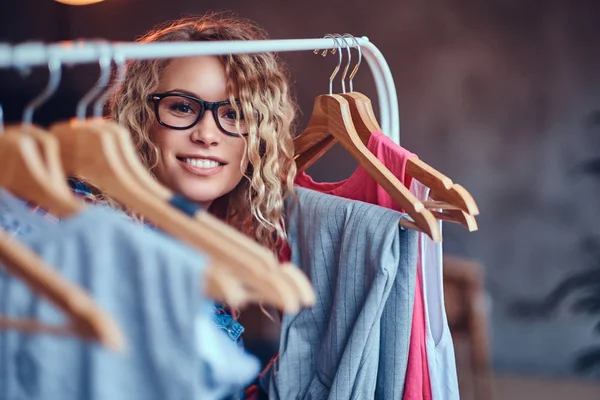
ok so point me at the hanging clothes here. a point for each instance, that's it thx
(231, 369)
(151, 285)
(222, 317)
(355, 255)
(439, 345)
(360, 186)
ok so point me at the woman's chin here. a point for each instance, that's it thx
(201, 197)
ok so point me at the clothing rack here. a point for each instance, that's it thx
(81, 52)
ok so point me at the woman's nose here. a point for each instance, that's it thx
(206, 131)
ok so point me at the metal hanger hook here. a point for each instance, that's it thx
(120, 77)
(357, 66)
(104, 60)
(337, 68)
(55, 68)
(337, 35)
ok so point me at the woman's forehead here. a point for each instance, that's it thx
(204, 76)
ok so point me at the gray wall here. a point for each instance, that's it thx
(496, 94)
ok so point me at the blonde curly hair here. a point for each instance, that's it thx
(260, 83)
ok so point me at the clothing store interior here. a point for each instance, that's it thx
(322, 200)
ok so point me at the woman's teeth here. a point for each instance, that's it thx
(202, 163)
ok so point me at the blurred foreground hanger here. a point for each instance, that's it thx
(101, 153)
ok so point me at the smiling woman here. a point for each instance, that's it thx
(215, 129)
(199, 158)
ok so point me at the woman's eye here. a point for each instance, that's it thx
(231, 114)
(182, 108)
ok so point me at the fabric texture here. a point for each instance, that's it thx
(230, 369)
(441, 359)
(346, 346)
(79, 188)
(148, 282)
(418, 380)
(222, 317)
(360, 186)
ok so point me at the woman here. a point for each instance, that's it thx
(215, 129)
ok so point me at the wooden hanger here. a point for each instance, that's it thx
(28, 169)
(29, 161)
(331, 121)
(253, 252)
(86, 319)
(455, 198)
(332, 117)
(451, 212)
(39, 179)
(457, 204)
(220, 285)
(93, 155)
(448, 195)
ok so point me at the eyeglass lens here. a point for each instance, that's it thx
(181, 112)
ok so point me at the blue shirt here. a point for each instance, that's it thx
(150, 284)
(221, 317)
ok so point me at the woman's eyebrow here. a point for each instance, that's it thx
(188, 93)
(183, 91)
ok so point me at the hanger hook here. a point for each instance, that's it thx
(55, 68)
(337, 35)
(337, 68)
(357, 66)
(120, 77)
(104, 60)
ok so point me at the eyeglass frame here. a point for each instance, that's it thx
(155, 98)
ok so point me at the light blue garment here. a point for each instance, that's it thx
(149, 283)
(355, 255)
(229, 363)
(221, 317)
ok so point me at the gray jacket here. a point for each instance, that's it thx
(353, 343)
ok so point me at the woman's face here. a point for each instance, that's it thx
(202, 162)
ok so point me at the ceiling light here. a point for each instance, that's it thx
(79, 2)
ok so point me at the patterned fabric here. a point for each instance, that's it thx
(226, 322)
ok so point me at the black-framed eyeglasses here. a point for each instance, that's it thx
(182, 111)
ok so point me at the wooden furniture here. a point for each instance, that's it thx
(467, 311)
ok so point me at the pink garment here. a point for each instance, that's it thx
(418, 384)
(360, 186)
